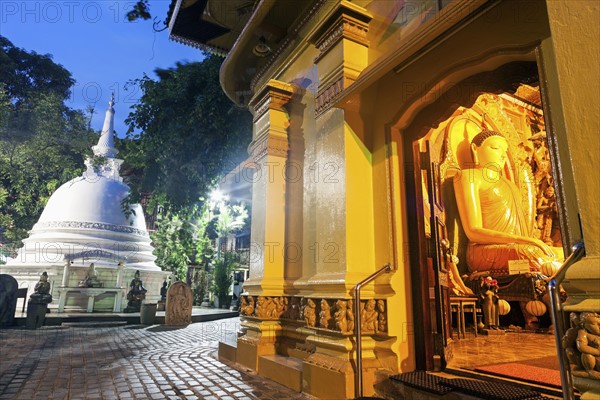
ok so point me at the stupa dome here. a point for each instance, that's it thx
(103, 197)
(88, 220)
(84, 219)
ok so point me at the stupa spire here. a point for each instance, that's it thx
(106, 143)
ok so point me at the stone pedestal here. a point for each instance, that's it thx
(8, 299)
(147, 313)
(36, 315)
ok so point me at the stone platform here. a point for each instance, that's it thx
(199, 314)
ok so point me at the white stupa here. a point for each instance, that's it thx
(84, 222)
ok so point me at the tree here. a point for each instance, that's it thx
(25, 74)
(42, 141)
(191, 133)
(140, 10)
(174, 243)
(224, 266)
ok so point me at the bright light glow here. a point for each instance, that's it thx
(216, 196)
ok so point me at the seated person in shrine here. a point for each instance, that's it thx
(491, 212)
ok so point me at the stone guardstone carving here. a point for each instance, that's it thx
(37, 307)
(8, 299)
(179, 304)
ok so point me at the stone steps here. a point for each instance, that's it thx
(281, 369)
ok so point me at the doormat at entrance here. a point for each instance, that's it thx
(423, 381)
(491, 390)
(524, 372)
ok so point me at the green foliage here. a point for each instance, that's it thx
(174, 243)
(230, 218)
(140, 10)
(200, 281)
(42, 141)
(223, 268)
(26, 74)
(183, 238)
(191, 133)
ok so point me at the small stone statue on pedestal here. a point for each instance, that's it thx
(91, 278)
(163, 297)
(37, 307)
(136, 294)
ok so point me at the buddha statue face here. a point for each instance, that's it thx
(492, 152)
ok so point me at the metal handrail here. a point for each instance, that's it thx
(553, 286)
(357, 317)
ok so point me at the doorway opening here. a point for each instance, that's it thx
(484, 304)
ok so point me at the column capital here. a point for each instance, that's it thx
(274, 96)
(347, 21)
(346, 29)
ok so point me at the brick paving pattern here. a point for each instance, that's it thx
(128, 362)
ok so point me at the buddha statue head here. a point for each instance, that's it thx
(489, 149)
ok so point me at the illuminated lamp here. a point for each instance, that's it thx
(503, 307)
(535, 307)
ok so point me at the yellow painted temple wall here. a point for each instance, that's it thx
(576, 47)
(347, 211)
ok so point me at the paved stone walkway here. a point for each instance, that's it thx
(127, 362)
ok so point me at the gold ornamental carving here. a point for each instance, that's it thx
(326, 98)
(325, 314)
(269, 145)
(345, 27)
(274, 96)
(247, 306)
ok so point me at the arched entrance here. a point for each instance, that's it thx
(448, 289)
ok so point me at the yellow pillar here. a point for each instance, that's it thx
(572, 81)
(269, 152)
(342, 253)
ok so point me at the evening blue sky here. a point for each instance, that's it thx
(94, 40)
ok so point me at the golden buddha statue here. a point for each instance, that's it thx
(491, 211)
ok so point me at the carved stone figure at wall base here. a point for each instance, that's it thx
(179, 304)
(335, 315)
(247, 306)
(581, 344)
